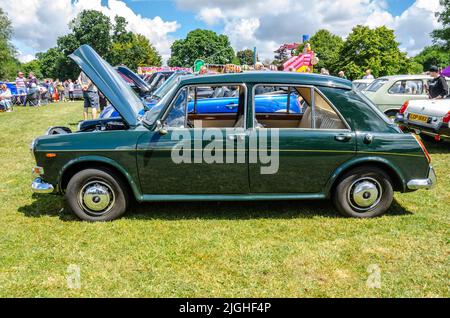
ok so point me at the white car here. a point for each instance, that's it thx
(389, 93)
(430, 117)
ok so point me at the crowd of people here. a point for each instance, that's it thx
(31, 92)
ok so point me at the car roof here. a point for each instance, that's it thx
(406, 77)
(273, 77)
(363, 81)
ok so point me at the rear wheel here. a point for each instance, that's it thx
(364, 192)
(97, 195)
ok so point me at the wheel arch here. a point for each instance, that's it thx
(82, 163)
(397, 178)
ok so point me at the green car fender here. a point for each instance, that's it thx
(358, 161)
(102, 161)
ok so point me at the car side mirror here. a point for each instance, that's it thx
(161, 128)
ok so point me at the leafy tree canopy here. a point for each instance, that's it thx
(433, 55)
(442, 36)
(9, 65)
(201, 44)
(375, 49)
(112, 41)
(245, 57)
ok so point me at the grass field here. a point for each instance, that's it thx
(276, 249)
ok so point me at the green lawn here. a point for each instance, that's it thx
(286, 249)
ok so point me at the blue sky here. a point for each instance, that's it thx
(265, 24)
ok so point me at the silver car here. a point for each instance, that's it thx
(429, 117)
(389, 93)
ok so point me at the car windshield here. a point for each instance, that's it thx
(376, 85)
(164, 88)
(152, 114)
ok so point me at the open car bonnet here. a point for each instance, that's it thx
(109, 82)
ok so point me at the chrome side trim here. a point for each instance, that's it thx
(428, 183)
(39, 186)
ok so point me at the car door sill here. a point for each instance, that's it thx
(231, 197)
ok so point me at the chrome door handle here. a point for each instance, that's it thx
(343, 137)
(231, 106)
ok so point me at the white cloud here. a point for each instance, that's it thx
(38, 23)
(268, 24)
(210, 16)
(24, 58)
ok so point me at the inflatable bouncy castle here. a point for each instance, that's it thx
(302, 63)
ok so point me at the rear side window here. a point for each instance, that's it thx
(376, 85)
(407, 87)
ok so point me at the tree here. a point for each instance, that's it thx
(327, 47)
(245, 57)
(32, 66)
(120, 33)
(94, 28)
(51, 63)
(442, 36)
(137, 52)
(433, 55)
(201, 44)
(8, 63)
(375, 49)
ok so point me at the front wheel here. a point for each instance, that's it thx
(97, 195)
(364, 192)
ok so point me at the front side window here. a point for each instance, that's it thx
(407, 87)
(213, 106)
(177, 114)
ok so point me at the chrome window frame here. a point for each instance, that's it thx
(188, 86)
(313, 110)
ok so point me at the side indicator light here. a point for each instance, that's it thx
(51, 155)
(424, 149)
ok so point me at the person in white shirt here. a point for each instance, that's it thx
(368, 75)
(5, 98)
(71, 89)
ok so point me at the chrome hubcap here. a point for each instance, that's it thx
(364, 194)
(96, 198)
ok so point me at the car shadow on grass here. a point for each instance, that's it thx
(437, 147)
(45, 205)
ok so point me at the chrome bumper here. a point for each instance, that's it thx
(39, 186)
(428, 183)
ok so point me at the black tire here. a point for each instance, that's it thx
(363, 192)
(97, 195)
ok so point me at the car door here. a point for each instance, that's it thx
(193, 160)
(308, 154)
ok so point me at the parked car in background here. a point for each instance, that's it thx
(143, 90)
(362, 84)
(389, 93)
(429, 117)
(339, 147)
(157, 79)
(135, 81)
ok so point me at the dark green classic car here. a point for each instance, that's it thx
(339, 146)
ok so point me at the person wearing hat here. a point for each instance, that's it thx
(438, 87)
